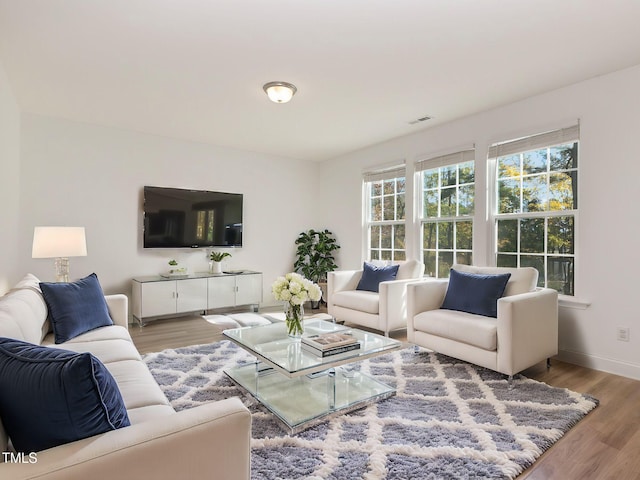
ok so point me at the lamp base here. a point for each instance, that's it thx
(62, 269)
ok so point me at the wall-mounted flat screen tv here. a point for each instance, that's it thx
(178, 218)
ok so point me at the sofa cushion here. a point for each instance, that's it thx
(523, 279)
(372, 275)
(138, 387)
(23, 312)
(4, 439)
(107, 351)
(475, 293)
(51, 396)
(76, 307)
(476, 330)
(112, 332)
(361, 300)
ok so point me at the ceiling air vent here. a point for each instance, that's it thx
(421, 119)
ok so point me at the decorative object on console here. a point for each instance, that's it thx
(279, 92)
(215, 266)
(315, 256)
(294, 290)
(75, 308)
(59, 243)
(175, 270)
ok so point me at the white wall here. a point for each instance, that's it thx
(84, 175)
(9, 191)
(609, 226)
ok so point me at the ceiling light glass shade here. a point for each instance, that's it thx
(280, 92)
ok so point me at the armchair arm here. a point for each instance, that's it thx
(118, 305)
(343, 280)
(393, 303)
(422, 297)
(340, 280)
(211, 440)
(527, 329)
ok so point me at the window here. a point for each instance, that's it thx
(537, 204)
(204, 225)
(385, 214)
(446, 211)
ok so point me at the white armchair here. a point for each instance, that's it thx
(524, 333)
(385, 310)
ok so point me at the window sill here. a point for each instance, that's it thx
(573, 302)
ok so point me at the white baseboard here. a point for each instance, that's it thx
(609, 365)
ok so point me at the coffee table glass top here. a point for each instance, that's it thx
(303, 389)
(271, 344)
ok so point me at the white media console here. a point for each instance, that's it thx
(157, 296)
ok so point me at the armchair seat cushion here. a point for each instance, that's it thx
(476, 330)
(361, 300)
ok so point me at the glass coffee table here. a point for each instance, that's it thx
(300, 388)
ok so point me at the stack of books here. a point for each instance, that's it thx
(328, 344)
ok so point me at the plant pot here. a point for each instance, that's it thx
(215, 267)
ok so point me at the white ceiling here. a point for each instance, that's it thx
(194, 69)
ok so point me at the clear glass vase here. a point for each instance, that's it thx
(293, 315)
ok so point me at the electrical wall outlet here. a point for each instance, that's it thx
(623, 334)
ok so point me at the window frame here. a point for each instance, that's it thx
(369, 178)
(524, 145)
(437, 163)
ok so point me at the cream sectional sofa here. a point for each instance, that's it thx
(209, 441)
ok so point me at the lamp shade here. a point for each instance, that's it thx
(53, 242)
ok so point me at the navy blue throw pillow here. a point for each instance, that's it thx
(372, 275)
(475, 293)
(50, 396)
(75, 307)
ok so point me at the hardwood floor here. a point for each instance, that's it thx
(604, 445)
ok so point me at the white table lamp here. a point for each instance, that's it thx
(59, 243)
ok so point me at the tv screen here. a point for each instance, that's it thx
(176, 217)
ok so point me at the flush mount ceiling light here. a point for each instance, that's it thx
(280, 92)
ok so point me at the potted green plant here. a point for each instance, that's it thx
(175, 269)
(215, 266)
(315, 256)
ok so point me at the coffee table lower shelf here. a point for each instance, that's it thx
(304, 401)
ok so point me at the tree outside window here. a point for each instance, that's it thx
(537, 203)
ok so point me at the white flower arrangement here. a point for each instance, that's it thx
(295, 289)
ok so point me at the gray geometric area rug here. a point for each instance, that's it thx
(448, 420)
